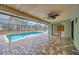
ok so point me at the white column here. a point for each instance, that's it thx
(67, 29)
(50, 30)
(76, 33)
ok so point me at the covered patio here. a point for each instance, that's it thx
(58, 22)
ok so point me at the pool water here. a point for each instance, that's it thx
(18, 36)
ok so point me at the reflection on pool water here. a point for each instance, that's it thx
(19, 36)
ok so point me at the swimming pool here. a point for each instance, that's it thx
(19, 36)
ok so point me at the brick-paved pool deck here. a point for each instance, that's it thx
(26, 46)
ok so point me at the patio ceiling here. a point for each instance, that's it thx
(39, 11)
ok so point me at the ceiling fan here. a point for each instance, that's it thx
(52, 15)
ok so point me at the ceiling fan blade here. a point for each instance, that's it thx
(45, 17)
(48, 18)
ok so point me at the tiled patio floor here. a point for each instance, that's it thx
(59, 46)
(39, 45)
